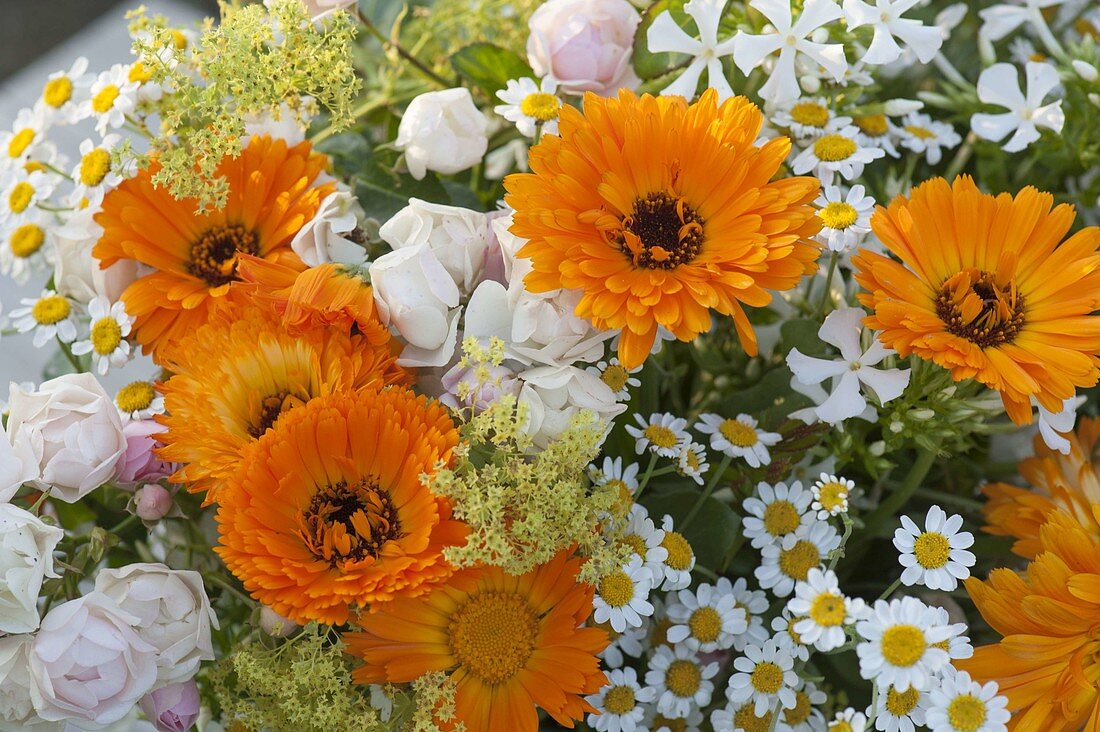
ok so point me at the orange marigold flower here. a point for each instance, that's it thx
(660, 211)
(987, 289)
(272, 194)
(327, 510)
(512, 644)
(237, 374)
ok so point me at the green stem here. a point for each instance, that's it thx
(828, 294)
(892, 503)
(41, 499)
(221, 582)
(68, 351)
(389, 43)
(839, 551)
(890, 590)
(123, 524)
(646, 475)
(714, 478)
(961, 157)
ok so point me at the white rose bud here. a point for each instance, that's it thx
(1085, 70)
(77, 274)
(26, 559)
(899, 107)
(458, 237)
(555, 395)
(73, 430)
(16, 710)
(275, 624)
(442, 131)
(322, 240)
(173, 612)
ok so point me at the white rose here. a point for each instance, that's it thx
(18, 465)
(26, 559)
(458, 237)
(83, 639)
(442, 131)
(173, 611)
(417, 296)
(77, 274)
(554, 395)
(16, 710)
(321, 240)
(585, 45)
(73, 430)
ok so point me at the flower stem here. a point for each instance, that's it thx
(646, 476)
(389, 43)
(123, 524)
(893, 502)
(961, 158)
(890, 590)
(828, 294)
(714, 478)
(68, 351)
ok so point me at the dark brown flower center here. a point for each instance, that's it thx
(974, 305)
(662, 232)
(347, 523)
(271, 407)
(214, 254)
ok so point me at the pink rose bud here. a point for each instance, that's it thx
(275, 624)
(152, 502)
(172, 708)
(140, 464)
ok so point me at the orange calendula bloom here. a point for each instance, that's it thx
(327, 511)
(272, 194)
(511, 645)
(988, 289)
(660, 211)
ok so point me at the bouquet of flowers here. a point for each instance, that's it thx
(512, 365)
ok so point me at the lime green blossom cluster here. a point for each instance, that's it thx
(433, 697)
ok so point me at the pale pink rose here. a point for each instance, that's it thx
(585, 45)
(152, 502)
(172, 708)
(140, 464)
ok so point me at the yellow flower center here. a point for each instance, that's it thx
(34, 166)
(26, 240)
(902, 703)
(738, 433)
(615, 376)
(346, 524)
(541, 106)
(921, 133)
(660, 721)
(873, 125)
(966, 713)
(661, 232)
(781, 518)
(135, 396)
(976, 306)
(791, 622)
(1037, 57)
(94, 167)
(833, 148)
(20, 141)
(800, 712)
(692, 461)
(619, 700)
(57, 91)
(838, 215)
(105, 99)
(767, 677)
(617, 589)
(705, 624)
(626, 497)
(178, 38)
(139, 73)
(493, 634)
(903, 645)
(683, 678)
(51, 309)
(659, 635)
(679, 551)
(745, 719)
(810, 114)
(22, 193)
(943, 645)
(932, 550)
(660, 436)
(636, 544)
(797, 561)
(832, 496)
(840, 726)
(106, 335)
(827, 610)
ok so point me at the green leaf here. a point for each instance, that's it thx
(802, 334)
(489, 67)
(711, 533)
(651, 65)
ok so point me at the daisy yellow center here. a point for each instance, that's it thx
(691, 460)
(932, 550)
(22, 193)
(348, 523)
(903, 645)
(840, 726)
(834, 148)
(106, 335)
(617, 589)
(1037, 57)
(943, 645)
(901, 703)
(660, 436)
(178, 38)
(135, 396)
(662, 232)
(683, 678)
(797, 561)
(800, 712)
(20, 141)
(966, 713)
(838, 215)
(541, 106)
(810, 114)
(139, 73)
(104, 100)
(636, 544)
(921, 133)
(737, 433)
(615, 376)
(26, 240)
(791, 622)
(57, 91)
(94, 167)
(973, 305)
(51, 309)
(767, 677)
(662, 722)
(832, 496)
(619, 700)
(493, 634)
(214, 254)
(827, 610)
(626, 496)
(659, 635)
(270, 409)
(745, 719)
(34, 166)
(705, 625)
(679, 551)
(873, 125)
(781, 518)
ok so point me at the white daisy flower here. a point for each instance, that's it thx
(1022, 50)
(65, 91)
(617, 377)
(633, 642)
(738, 437)
(666, 36)
(877, 130)
(139, 73)
(787, 638)
(789, 561)
(956, 703)
(831, 495)
(808, 118)
(957, 644)
(824, 610)
(613, 473)
(661, 434)
(93, 176)
(848, 720)
(657, 722)
(707, 619)
(620, 702)
(804, 716)
(28, 248)
(20, 192)
(740, 717)
(845, 217)
(775, 512)
(680, 560)
(112, 96)
(106, 335)
(27, 133)
(763, 675)
(49, 315)
(885, 17)
(645, 540)
(622, 596)
(139, 400)
(692, 462)
(755, 604)
(529, 104)
(925, 136)
(900, 644)
(899, 711)
(682, 682)
(999, 85)
(839, 151)
(937, 556)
